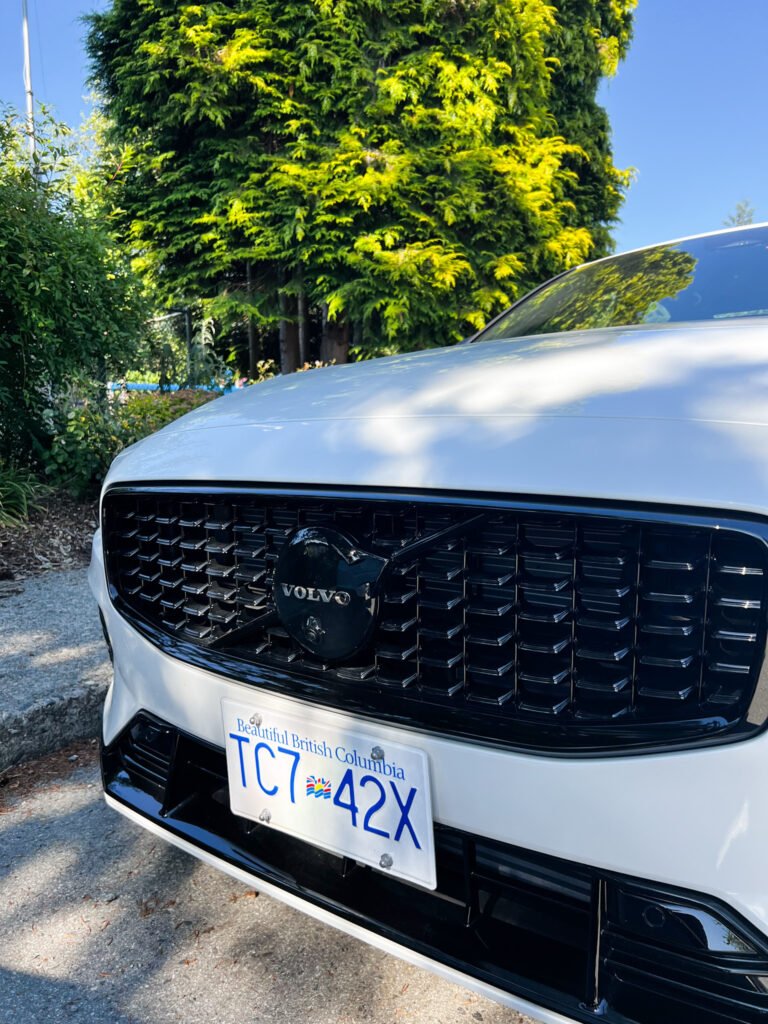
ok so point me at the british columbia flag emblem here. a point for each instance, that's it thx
(318, 787)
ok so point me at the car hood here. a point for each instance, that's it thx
(671, 414)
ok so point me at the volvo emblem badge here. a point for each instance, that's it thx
(326, 592)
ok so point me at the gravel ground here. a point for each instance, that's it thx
(54, 668)
(101, 922)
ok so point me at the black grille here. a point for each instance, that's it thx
(548, 628)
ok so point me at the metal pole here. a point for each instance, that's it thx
(28, 78)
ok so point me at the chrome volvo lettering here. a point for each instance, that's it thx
(341, 597)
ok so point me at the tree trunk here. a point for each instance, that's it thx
(357, 335)
(188, 335)
(302, 325)
(289, 335)
(253, 355)
(334, 347)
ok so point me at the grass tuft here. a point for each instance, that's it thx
(19, 491)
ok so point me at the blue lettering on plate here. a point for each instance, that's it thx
(240, 741)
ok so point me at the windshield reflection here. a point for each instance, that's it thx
(712, 278)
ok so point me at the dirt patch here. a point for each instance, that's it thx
(57, 536)
(18, 782)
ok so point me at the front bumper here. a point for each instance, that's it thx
(694, 822)
(332, 918)
(516, 925)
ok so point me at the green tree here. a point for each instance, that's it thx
(742, 215)
(590, 40)
(404, 167)
(69, 305)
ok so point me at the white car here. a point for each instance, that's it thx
(463, 651)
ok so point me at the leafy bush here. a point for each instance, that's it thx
(92, 429)
(144, 413)
(69, 303)
(18, 491)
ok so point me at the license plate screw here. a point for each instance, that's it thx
(255, 719)
(377, 754)
(265, 816)
(385, 861)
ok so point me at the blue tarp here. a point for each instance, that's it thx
(116, 385)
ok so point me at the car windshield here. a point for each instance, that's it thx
(718, 277)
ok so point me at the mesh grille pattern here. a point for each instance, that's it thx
(530, 616)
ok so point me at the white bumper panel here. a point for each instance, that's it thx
(696, 819)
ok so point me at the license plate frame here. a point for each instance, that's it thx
(333, 784)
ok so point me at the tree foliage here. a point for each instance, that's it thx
(69, 305)
(408, 167)
(743, 214)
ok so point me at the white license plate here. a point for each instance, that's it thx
(338, 788)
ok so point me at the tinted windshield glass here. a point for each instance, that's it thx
(718, 277)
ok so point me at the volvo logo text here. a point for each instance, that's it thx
(320, 594)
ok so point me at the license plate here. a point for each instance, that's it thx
(336, 787)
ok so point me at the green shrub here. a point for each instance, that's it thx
(70, 306)
(92, 430)
(144, 413)
(18, 493)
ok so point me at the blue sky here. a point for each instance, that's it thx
(688, 106)
(688, 111)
